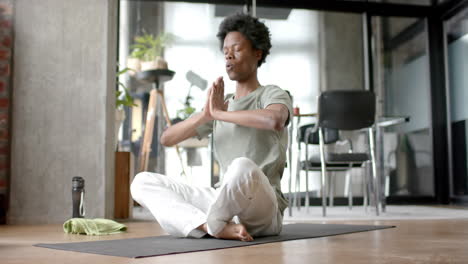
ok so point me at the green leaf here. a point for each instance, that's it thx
(124, 71)
(148, 47)
(123, 97)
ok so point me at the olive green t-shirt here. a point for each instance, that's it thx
(267, 148)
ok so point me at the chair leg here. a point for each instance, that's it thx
(365, 187)
(350, 199)
(350, 190)
(331, 188)
(290, 192)
(386, 192)
(298, 179)
(375, 177)
(350, 186)
(323, 178)
(307, 177)
(289, 184)
(346, 187)
(290, 136)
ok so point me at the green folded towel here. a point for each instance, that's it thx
(97, 226)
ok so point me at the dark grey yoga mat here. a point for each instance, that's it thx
(165, 245)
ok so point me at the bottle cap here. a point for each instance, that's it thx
(77, 182)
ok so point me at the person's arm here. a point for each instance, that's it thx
(187, 128)
(273, 117)
(183, 130)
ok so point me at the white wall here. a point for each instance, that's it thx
(63, 108)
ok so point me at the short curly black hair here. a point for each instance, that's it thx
(254, 30)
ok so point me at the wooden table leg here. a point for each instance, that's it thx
(166, 115)
(149, 130)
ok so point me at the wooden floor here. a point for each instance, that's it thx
(413, 241)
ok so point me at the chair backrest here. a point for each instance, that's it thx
(346, 110)
(330, 135)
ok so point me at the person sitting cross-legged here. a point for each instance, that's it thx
(250, 142)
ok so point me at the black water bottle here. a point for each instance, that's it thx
(78, 197)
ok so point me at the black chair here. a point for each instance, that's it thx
(344, 110)
(307, 136)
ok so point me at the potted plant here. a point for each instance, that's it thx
(123, 98)
(133, 62)
(147, 51)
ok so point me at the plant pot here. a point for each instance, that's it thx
(119, 118)
(158, 63)
(134, 64)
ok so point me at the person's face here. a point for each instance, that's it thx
(241, 57)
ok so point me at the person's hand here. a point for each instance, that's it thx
(217, 103)
(206, 108)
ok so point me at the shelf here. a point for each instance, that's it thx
(155, 76)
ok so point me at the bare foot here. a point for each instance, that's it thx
(235, 232)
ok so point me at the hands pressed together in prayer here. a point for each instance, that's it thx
(215, 100)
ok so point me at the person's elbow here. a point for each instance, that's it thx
(278, 124)
(277, 118)
(165, 140)
(275, 122)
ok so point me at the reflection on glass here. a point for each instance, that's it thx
(403, 88)
(457, 51)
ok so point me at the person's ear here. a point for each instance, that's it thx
(258, 54)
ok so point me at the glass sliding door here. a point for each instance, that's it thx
(457, 66)
(402, 84)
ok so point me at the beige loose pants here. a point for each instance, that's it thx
(245, 195)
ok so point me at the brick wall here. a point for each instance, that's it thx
(6, 34)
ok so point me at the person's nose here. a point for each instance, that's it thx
(228, 55)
